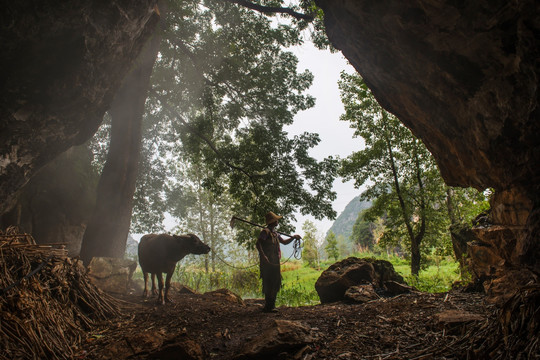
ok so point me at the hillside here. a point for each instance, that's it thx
(345, 221)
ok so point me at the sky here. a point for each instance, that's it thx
(336, 136)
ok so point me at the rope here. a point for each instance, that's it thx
(297, 253)
(297, 246)
(234, 267)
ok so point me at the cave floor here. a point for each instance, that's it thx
(404, 327)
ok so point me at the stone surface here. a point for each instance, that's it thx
(463, 76)
(339, 277)
(507, 282)
(502, 239)
(284, 336)
(61, 65)
(111, 274)
(225, 294)
(361, 294)
(509, 207)
(55, 205)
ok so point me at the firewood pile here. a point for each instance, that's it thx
(47, 303)
(511, 332)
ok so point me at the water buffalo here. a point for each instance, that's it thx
(159, 253)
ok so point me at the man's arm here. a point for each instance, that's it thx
(289, 240)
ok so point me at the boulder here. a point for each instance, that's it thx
(182, 289)
(284, 336)
(361, 294)
(394, 288)
(111, 274)
(339, 277)
(225, 295)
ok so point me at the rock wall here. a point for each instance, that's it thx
(61, 65)
(45, 207)
(463, 76)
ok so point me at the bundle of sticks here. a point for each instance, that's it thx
(47, 303)
(510, 332)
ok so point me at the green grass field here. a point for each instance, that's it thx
(298, 285)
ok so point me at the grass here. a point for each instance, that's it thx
(298, 285)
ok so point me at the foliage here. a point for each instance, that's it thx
(298, 286)
(331, 247)
(345, 246)
(243, 282)
(223, 89)
(311, 252)
(362, 233)
(403, 180)
(208, 215)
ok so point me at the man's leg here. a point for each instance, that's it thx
(270, 294)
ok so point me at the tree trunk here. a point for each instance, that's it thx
(417, 239)
(415, 257)
(415, 245)
(450, 206)
(107, 230)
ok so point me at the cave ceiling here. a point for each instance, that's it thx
(61, 65)
(462, 75)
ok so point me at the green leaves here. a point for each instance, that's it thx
(400, 174)
(223, 90)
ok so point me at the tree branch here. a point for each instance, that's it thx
(205, 139)
(272, 9)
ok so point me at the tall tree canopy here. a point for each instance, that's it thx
(222, 90)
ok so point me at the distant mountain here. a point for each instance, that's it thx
(345, 221)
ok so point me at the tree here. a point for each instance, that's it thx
(345, 247)
(362, 233)
(332, 246)
(207, 214)
(224, 88)
(405, 181)
(409, 192)
(107, 231)
(310, 254)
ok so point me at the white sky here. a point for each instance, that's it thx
(336, 136)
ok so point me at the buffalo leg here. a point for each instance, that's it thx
(161, 300)
(145, 292)
(168, 285)
(154, 291)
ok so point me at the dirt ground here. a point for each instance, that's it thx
(218, 327)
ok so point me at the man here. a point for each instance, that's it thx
(269, 255)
